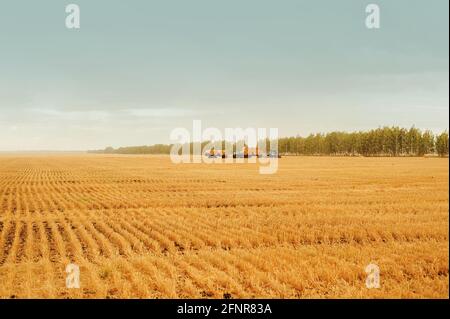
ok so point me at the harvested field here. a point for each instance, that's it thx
(142, 227)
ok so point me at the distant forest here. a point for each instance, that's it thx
(386, 141)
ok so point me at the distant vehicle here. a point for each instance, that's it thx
(245, 153)
(274, 154)
(212, 153)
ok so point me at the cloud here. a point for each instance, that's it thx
(91, 115)
(160, 112)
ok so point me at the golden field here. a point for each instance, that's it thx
(142, 227)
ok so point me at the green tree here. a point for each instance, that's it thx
(442, 144)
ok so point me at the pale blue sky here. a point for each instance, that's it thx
(137, 69)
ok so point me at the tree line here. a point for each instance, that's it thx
(385, 141)
(152, 149)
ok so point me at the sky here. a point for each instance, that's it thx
(138, 69)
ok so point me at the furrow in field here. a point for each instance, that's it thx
(7, 239)
(121, 246)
